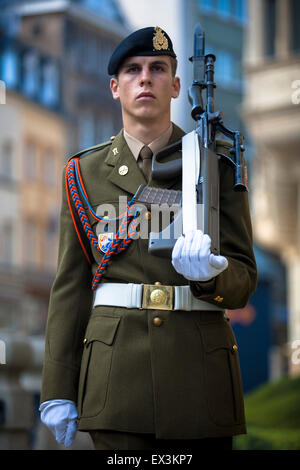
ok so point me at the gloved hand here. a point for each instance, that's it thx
(191, 257)
(60, 416)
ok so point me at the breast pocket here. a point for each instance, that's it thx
(222, 375)
(96, 364)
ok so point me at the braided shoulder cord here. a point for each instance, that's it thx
(128, 222)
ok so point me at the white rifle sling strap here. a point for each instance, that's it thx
(191, 212)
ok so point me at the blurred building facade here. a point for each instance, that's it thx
(55, 100)
(81, 35)
(32, 152)
(271, 111)
(54, 59)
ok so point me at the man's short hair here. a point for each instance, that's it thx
(174, 63)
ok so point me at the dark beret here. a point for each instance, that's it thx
(144, 42)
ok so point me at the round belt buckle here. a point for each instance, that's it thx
(158, 296)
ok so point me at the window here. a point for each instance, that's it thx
(31, 78)
(270, 15)
(237, 74)
(10, 68)
(30, 161)
(86, 131)
(228, 70)
(30, 242)
(240, 9)
(6, 155)
(49, 168)
(50, 243)
(206, 4)
(37, 29)
(105, 52)
(6, 243)
(105, 8)
(50, 84)
(295, 9)
(223, 7)
(236, 9)
(91, 53)
(105, 128)
(73, 44)
(224, 67)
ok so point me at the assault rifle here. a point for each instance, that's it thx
(198, 203)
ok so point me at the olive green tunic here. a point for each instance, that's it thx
(178, 380)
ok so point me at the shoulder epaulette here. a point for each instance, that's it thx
(90, 149)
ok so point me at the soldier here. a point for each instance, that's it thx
(136, 375)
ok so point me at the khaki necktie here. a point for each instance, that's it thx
(146, 157)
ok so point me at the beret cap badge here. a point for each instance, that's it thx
(159, 40)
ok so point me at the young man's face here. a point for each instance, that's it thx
(145, 87)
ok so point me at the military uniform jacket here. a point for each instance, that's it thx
(178, 380)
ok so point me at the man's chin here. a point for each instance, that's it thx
(147, 113)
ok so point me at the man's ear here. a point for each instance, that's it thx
(114, 86)
(176, 87)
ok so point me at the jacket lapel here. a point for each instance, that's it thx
(120, 156)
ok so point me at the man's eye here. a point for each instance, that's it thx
(132, 69)
(158, 68)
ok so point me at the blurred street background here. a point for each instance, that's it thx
(55, 100)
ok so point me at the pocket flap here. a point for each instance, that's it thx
(216, 338)
(102, 328)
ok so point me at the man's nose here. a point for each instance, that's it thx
(145, 76)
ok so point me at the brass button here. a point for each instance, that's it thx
(113, 137)
(157, 283)
(234, 347)
(85, 341)
(123, 170)
(147, 215)
(158, 296)
(157, 321)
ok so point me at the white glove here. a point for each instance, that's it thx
(60, 416)
(191, 257)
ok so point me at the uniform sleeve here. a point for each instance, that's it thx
(233, 287)
(69, 310)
